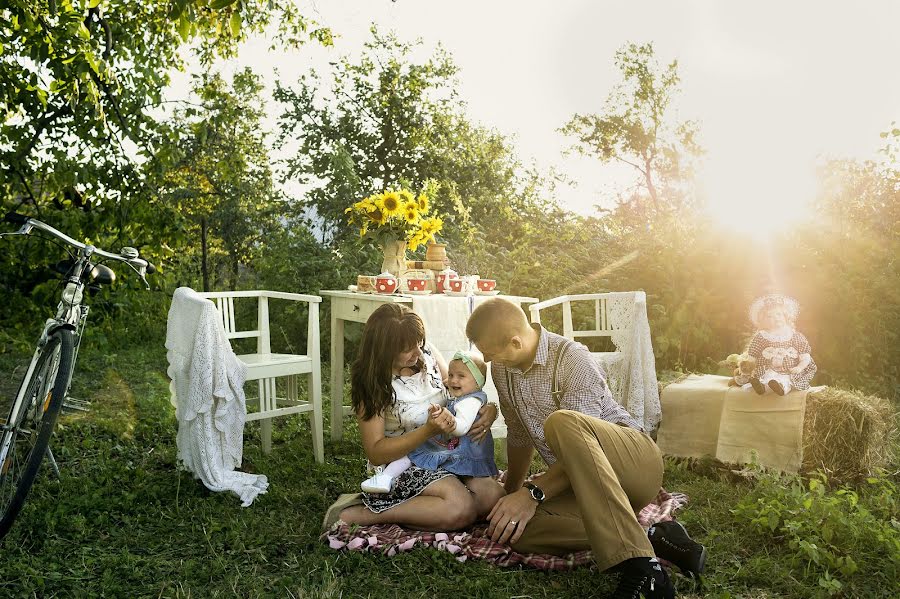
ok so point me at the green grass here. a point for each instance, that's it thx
(123, 521)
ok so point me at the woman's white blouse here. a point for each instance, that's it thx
(414, 394)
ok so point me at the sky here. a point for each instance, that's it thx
(776, 86)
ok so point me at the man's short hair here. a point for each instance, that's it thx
(496, 321)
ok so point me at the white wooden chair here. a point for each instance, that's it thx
(265, 366)
(630, 368)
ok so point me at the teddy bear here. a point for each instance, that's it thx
(743, 366)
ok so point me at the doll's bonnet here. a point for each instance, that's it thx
(788, 304)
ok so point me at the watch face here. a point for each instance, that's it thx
(536, 493)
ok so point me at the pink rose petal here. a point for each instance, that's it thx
(454, 549)
(334, 543)
(356, 543)
(373, 541)
(407, 545)
(392, 552)
(462, 558)
(441, 536)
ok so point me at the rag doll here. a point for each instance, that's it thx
(783, 356)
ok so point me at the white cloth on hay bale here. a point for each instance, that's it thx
(208, 394)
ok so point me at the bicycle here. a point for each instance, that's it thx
(25, 434)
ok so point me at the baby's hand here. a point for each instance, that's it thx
(441, 418)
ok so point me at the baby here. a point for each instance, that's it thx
(456, 452)
(783, 355)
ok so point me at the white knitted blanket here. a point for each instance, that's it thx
(208, 395)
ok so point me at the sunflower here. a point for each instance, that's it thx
(378, 217)
(411, 213)
(432, 225)
(391, 204)
(423, 203)
(406, 195)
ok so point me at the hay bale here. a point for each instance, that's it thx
(847, 435)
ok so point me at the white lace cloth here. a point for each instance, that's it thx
(207, 392)
(632, 376)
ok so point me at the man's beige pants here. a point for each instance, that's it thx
(614, 471)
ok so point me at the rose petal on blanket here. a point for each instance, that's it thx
(407, 545)
(460, 538)
(356, 543)
(454, 549)
(461, 558)
(373, 541)
(334, 543)
(392, 552)
(441, 536)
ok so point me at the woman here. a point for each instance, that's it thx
(395, 378)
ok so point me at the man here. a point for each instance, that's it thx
(602, 466)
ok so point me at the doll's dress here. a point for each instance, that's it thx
(777, 353)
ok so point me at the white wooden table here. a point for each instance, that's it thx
(347, 306)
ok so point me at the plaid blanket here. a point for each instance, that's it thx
(390, 539)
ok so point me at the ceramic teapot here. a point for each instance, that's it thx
(385, 283)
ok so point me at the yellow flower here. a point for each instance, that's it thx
(432, 225)
(390, 203)
(423, 203)
(378, 217)
(411, 213)
(406, 196)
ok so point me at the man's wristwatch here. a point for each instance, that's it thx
(536, 493)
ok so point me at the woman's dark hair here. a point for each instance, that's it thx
(391, 330)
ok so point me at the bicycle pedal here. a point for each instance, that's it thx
(71, 404)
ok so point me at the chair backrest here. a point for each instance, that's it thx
(224, 301)
(607, 313)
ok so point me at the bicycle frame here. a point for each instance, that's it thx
(71, 313)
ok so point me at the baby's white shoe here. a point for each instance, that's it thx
(380, 483)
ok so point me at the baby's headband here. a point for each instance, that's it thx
(472, 366)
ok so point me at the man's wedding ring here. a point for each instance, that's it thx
(514, 522)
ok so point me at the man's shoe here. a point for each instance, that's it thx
(672, 543)
(643, 577)
(776, 387)
(757, 385)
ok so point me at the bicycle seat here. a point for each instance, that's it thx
(100, 274)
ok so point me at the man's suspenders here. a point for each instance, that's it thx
(555, 388)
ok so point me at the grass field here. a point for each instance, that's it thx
(123, 521)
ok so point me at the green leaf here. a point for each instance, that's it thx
(235, 23)
(184, 27)
(94, 3)
(220, 4)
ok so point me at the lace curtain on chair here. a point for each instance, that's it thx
(632, 372)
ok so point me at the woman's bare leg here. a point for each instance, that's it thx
(486, 491)
(445, 504)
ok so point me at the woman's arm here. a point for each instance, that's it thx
(381, 449)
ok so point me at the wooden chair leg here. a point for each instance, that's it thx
(266, 403)
(316, 426)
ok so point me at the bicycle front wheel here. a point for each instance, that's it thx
(27, 429)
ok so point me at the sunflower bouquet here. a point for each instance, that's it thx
(395, 215)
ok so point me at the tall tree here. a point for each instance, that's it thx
(217, 180)
(80, 79)
(637, 128)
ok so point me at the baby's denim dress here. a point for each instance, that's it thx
(459, 455)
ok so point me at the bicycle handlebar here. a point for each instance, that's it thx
(28, 223)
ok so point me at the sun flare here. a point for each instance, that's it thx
(760, 204)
